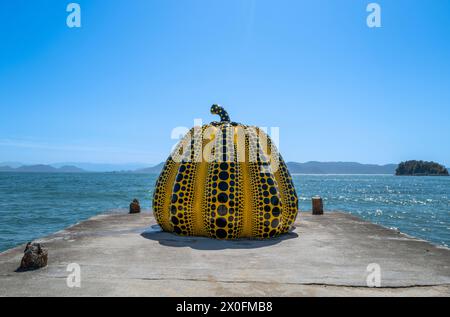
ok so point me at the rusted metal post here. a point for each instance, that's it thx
(317, 205)
(135, 208)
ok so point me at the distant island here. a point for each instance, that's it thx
(151, 170)
(421, 168)
(71, 167)
(41, 169)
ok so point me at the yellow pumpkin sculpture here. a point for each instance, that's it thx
(226, 181)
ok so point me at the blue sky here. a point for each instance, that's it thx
(113, 90)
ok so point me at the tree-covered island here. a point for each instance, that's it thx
(421, 168)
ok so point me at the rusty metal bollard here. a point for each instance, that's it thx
(317, 206)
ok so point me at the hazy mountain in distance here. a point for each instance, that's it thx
(151, 170)
(100, 167)
(316, 168)
(6, 168)
(340, 168)
(11, 164)
(41, 168)
(70, 169)
(295, 168)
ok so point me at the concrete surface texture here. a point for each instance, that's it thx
(121, 255)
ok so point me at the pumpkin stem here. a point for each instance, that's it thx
(216, 109)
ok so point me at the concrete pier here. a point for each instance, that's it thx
(324, 256)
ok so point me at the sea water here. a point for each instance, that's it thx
(33, 205)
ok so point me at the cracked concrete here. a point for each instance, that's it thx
(324, 256)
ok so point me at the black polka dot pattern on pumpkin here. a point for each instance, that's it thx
(266, 198)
